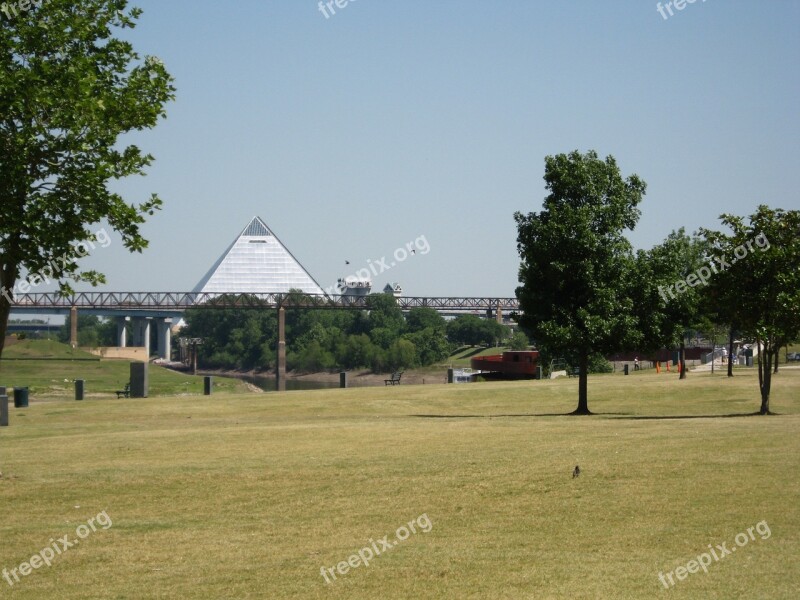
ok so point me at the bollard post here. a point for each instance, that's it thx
(140, 380)
(625, 368)
(343, 379)
(3, 409)
(79, 384)
(207, 385)
(450, 375)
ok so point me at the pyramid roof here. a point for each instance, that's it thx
(257, 262)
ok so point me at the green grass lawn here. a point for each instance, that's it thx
(248, 496)
(49, 370)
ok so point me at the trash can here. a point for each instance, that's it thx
(79, 384)
(207, 385)
(20, 397)
(626, 368)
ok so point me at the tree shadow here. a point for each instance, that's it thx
(677, 417)
(473, 352)
(569, 414)
(610, 415)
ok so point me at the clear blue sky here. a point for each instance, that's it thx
(388, 121)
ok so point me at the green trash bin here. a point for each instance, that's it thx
(20, 397)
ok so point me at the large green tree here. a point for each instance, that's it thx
(758, 284)
(576, 264)
(69, 90)
(673, 275)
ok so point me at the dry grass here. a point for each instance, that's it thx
(249, 496)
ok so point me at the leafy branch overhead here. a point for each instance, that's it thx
(69, 92)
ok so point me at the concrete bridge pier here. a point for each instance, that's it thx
(141, 334)
(280, 368)
(165, 339)
(73, 326)
(122, 332)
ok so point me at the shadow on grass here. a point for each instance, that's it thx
(569, 414)
(471, 352)
(675, 417)
(622, 416)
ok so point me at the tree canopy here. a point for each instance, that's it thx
(757, 287)
(69, 90)
(671, 278)
(576, 264)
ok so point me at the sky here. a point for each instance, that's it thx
(389, 123)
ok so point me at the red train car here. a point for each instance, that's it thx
(513, 364)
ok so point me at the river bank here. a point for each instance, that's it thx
(265, 380)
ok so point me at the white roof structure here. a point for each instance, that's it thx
(257, 262)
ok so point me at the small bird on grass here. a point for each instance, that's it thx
(576, 472)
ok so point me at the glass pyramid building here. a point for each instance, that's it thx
(257, 262)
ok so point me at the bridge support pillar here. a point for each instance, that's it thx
(165, 339)
(73, 326)
(141, 334)
(122, 332)
(280, 368)
(499, 315)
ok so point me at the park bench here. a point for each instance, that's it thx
(394, 380)
(124, 393)
(574, 372)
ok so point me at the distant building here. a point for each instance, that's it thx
(393, 289)
(257, 263)
(357, 287)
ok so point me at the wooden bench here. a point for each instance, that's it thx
(574, 372)
(394, 380)
(124, 393)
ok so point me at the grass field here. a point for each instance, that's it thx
(248, 496)
(49, 370)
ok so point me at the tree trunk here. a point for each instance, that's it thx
(8, 277)
(5, 310)
(764, 375)
(583, 397)
(730, 353)
(682, 360)
(777, 358)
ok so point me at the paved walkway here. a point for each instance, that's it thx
(719, 366)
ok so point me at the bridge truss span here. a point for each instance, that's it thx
(181, 301)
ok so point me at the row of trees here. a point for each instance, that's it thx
(585, 291)
(381, 338)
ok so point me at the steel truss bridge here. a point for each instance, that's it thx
(181, 301)
(145, 306)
